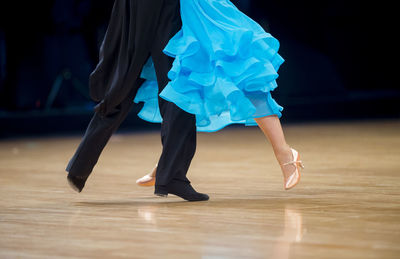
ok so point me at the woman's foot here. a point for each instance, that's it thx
(290, 162)
(148, 180)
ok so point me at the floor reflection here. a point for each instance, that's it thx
(226, 233)
(292, 233)
(287, 231)
(147, 213)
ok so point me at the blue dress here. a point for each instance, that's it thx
(224, 70)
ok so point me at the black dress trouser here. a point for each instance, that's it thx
(138, 29)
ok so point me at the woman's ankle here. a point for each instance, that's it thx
(283, 153)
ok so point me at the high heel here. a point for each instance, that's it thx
(294, 179)
(148, 180)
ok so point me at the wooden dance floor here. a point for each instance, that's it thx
(346, 206)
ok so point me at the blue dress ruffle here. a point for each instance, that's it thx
(224, 70)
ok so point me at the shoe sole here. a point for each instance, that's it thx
(147, 184)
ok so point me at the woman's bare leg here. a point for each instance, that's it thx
(272, 129)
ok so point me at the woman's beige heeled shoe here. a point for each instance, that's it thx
(294, 179)
(148, 180)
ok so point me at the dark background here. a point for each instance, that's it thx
(340, 61)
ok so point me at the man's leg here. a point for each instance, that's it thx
(124, 51)
(178, 137)
(95, 139)
(178, 130)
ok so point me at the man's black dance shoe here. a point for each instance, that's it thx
(181, 189)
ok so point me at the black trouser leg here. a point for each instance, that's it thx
(178, 130)
(178, 136)
(96, 137)
(124, 51)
